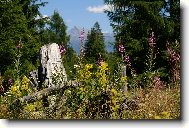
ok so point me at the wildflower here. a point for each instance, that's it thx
(85, 73)
(14, 89)
(121, 48)
(82, 35)
(104, 66)
(10, 81)
(124, 78)
(19, 46)
(173, 56)
(157, 82)
(152, 40)
(165, 114)
(126, 59)
(101, 74)
(174, 60)
(62, 49)
(129, 64)
(114, 92)
(88, 66)
(100, 60)
(25, 83)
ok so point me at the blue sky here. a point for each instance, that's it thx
(80, 13)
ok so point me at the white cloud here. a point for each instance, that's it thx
(40, 17)
(44, 16)
(98, 9)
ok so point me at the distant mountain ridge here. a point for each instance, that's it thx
(75, 41)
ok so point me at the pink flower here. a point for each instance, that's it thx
(157, 82)
(19, 46)
(82, 35)
(121, 48)
(126, 59)
(100, 60)
(10, 81)
(62, 49)
(152, 40)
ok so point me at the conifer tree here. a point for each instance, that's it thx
(57, 29)
(18, 24)
(57, 33)
(133, 21)
(94, 45)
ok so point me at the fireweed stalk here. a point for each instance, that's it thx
(17, 61)
(62, 50)
(151, 54)
(100, 60)
(121, 49)
(81, 44)
(174, 61)
(125, 58)
(129, 64)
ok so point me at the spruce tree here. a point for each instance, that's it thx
(94, 45)
(18, 23)
(57, 29)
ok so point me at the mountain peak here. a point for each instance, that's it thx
(75, 41)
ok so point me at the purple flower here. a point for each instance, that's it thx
(121, 48)
(62, 49)
(82, 35)
(126, 59)
(173, 55)
(152, 40)
(100, 60)
(10, 81)
(19, 45)
(158, 82)
(157, 79)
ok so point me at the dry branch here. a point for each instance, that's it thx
(41, 94)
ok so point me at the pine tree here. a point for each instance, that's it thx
(94, 45)
(18, 23)
(57, 29)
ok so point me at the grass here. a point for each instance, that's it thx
(156, 103)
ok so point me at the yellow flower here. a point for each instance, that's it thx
(85, 73)
(101, 74)
(165, 114)
(123, 79)
(25, 79)
(88, 66)
(18, 87)
(15, 90)
(81, 89)
(30, 107)
(114, 91)
(25, 83)
(104, 66)
(157, 117)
